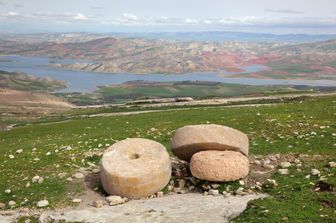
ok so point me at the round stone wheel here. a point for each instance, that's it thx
(191, 139)
(219, 166)
(135, 168)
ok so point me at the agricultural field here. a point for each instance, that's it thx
(302, 129)
(138, 90)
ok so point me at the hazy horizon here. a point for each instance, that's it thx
(104, 16)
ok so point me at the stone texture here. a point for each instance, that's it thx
(115, 200)
(219, 166)
(332, 164)
(191, 139)
(167, 209)
(42, 204)
(135, 168)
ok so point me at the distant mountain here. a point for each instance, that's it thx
(313, 60)
(228, 36)
(323, 47)
(117, 55)
(219, 36)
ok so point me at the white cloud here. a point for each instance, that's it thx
(190, 21)
(12, 14)
(66, 17)
(80, 16)
(130, 17)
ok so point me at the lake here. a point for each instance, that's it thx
(83, 81)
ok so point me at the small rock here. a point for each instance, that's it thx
(181, 183)
(269, 166)
(213, 192)
(226, 194)
(24, 210)
(332, 164)
(8, 191)
(11, 156)
(35, 179)
(42, 203)
(257, 162)
(215, 186)
(61, 175)
(240, 191)
(297, 161)
(76, 200)
(28, 184)
(241, 182)
(115, 200)
(40, 180)
(191, 188)
(206, 186)
(11, 203)
(19, 151)
(95, 171)
(69, 179)
(78, 175)
(170, 188)
(2, 205)
(285, 165)
(8, 213)
(284, 219)
(68, 148)
(283, 171)
(159, 194)
(177, 190)
(315, 172)
(272, 182)
(98, 204)
(266, 162)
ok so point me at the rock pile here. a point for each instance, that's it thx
(216, 153)
(135, 168)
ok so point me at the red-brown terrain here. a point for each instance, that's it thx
(116, 55)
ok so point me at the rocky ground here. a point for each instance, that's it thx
(184, 197)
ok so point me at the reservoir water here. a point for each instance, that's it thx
(83, 81)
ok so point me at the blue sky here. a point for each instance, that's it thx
(268, 16)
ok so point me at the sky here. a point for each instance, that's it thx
(262, 16)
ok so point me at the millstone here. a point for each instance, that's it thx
(219, 166)
(135, 168)
(191, 139)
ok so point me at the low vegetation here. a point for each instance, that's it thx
(57, 150)
(26, 82)
(138, 90)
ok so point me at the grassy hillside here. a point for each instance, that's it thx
(26, 82)
(299, 127)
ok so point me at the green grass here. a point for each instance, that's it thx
(293, 127)
(296, 199)
(200, 90)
